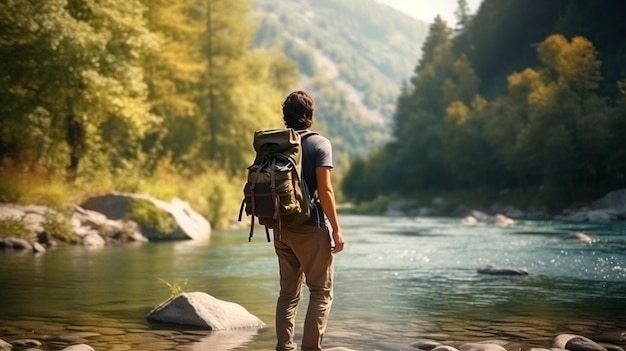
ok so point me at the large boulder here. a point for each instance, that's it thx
(86, 224)
(188, 224)
(201, 310)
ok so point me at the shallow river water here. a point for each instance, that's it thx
(398, 281)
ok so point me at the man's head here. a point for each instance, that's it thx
(298, 110)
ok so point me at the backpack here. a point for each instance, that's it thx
(275, 191)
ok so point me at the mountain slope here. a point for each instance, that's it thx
(353, 55)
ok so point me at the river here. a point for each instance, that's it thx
(399, 280)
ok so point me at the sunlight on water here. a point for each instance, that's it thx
(399, 280)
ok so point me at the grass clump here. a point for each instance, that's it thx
(58, 227)
(151, 219)
(175, 288)
(14, 228)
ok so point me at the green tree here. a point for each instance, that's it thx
(172, 74)
(463, 15)
(567, 127)
(237, 92)
(72, 87)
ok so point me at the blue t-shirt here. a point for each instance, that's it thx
(316, 152)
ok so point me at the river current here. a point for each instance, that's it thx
(398, 281)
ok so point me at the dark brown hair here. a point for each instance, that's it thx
(298, 110)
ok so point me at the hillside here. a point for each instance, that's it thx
(353, 55)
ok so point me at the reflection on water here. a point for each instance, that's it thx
(399, 280)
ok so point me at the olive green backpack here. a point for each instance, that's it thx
(275, 191)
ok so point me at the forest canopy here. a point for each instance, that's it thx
(110, 94)
(525, 95)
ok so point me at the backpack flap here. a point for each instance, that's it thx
(270, 192)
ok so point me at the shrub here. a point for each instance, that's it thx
(14, 228)
(150, 218)
(58, 227)
(176, 288)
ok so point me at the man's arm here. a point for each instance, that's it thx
(326, 194)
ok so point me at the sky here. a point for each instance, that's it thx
(427, 10)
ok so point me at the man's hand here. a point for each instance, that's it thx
(338, 242)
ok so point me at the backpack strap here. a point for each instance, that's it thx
(304, 133)
(253, 209)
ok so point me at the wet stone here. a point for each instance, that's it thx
(445, 348)
(135, 331)
(514, 346)
(425, 344)
(611, 347)
(21, 343)
(5, 345)
(614, 337)
(79, 347)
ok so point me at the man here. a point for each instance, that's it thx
(305, 253)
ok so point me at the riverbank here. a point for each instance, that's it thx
(527, 206)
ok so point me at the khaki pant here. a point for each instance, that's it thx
(303, 256)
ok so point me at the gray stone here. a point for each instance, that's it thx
(15, 244)
(93, 239)
(576, 343)
(503, 221)
(5, 346)
(611, 347)
(202, 310)
(490, 270)
(469, 220)
(190, 224)
(8, 211)
(444, 348)
(22, 343)
(481, 347)
(34, 222)
(79, 347)
(426, 344)
(37, 247)
(611, 337)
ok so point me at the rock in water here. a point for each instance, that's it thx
(201, 310)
